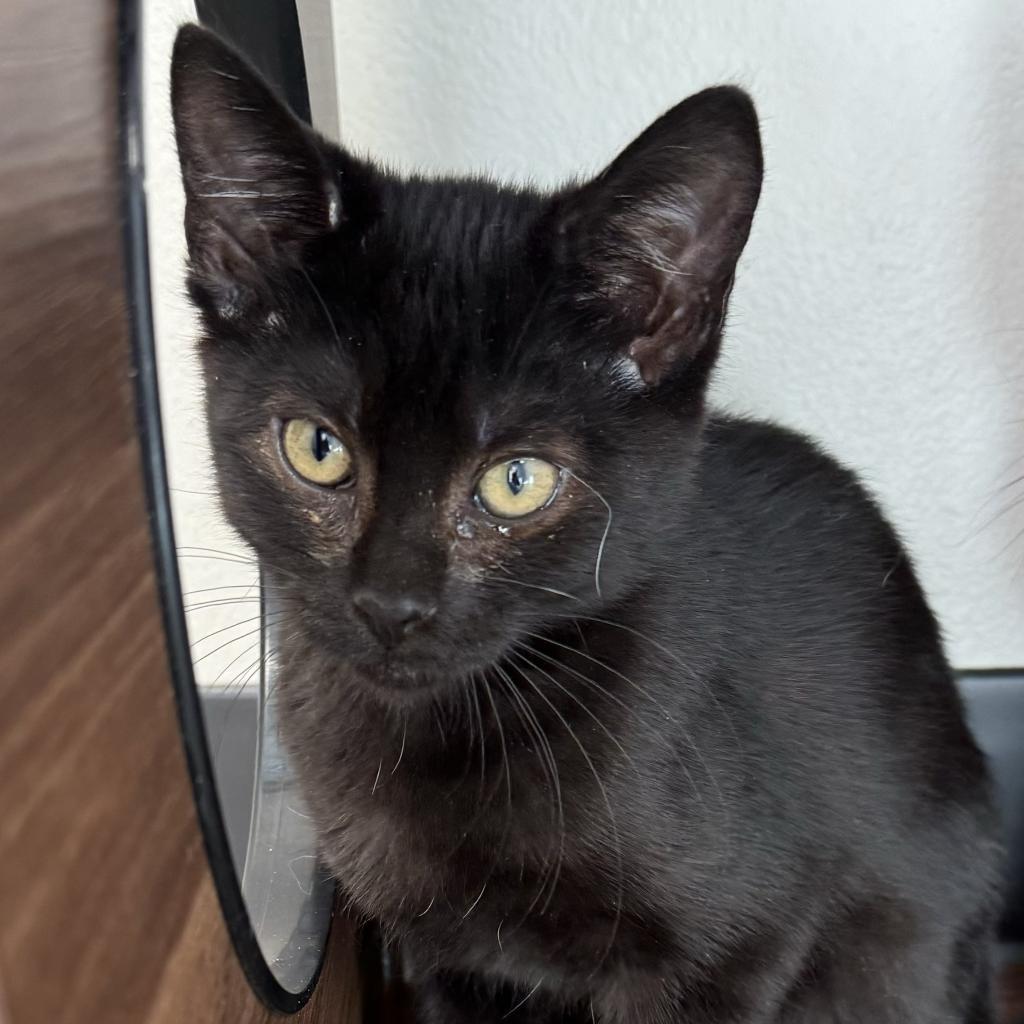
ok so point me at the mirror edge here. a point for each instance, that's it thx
(147, 408)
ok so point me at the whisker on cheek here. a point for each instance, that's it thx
(242, 681)
(233, 640)
(221, 602)
(223, 629)
(531, 586)
(193, 550)
(607, 527)
(608, 806)
(546, 756)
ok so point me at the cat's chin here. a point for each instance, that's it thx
(397, 682)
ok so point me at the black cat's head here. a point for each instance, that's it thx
(448, 413)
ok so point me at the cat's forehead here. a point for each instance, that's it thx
(454, 253)
(449, 312)
(468, 221)
(457, 395)
(439, 328)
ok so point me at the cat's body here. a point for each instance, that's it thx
(784, 841)
(678, 743)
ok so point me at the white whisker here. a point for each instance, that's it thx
(532, 586)
(611, 817)
(401, 753)
(522, 1002)
(473, 905)
(323, 305)
(239, 194)
(607, 527)
(547, 760)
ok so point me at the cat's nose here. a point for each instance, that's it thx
(392, 616)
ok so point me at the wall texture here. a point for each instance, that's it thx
(213, 562)
(879, 305)
(218, 577)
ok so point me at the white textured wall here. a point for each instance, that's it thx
(880, 305)
(211, 556)
(217, 575)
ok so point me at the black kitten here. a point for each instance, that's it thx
(607, 708)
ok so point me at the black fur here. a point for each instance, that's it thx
(681, 746)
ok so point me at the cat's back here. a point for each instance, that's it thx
(826, 615)
(824, 608)
(784, 508)
(783, 469)
(832, 644)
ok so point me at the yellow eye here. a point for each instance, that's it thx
(315, 453)
(518, 487)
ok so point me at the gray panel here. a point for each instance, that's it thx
(995, 708)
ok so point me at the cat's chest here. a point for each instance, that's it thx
(404, 846)
(449, 831)
(478, 857)
(490, 898)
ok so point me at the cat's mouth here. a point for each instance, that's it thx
(429, 662)
(397, 677)
(395, 672)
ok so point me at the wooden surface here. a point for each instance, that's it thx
(1011, 995)
(107, 911)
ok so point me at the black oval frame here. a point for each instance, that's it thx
(287, 70)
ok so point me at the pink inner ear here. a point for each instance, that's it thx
(652, 357)
(667, 268)
(672, 341)
(659, 232)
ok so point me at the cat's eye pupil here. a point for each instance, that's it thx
(514, 488)
(315, 453)
(518, 476)
(324, 443)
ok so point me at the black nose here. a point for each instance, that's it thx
(392, 616)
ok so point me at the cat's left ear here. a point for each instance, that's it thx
(261, 187)
(657, 235)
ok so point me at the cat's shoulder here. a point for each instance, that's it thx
(778, 500)
(776, 466)
(742, 442)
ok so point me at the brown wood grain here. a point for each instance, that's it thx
(1011, 995)
(107, 910)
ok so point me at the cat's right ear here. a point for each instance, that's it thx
(260, 185)
(655, 237)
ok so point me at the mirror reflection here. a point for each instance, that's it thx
(229, 606)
